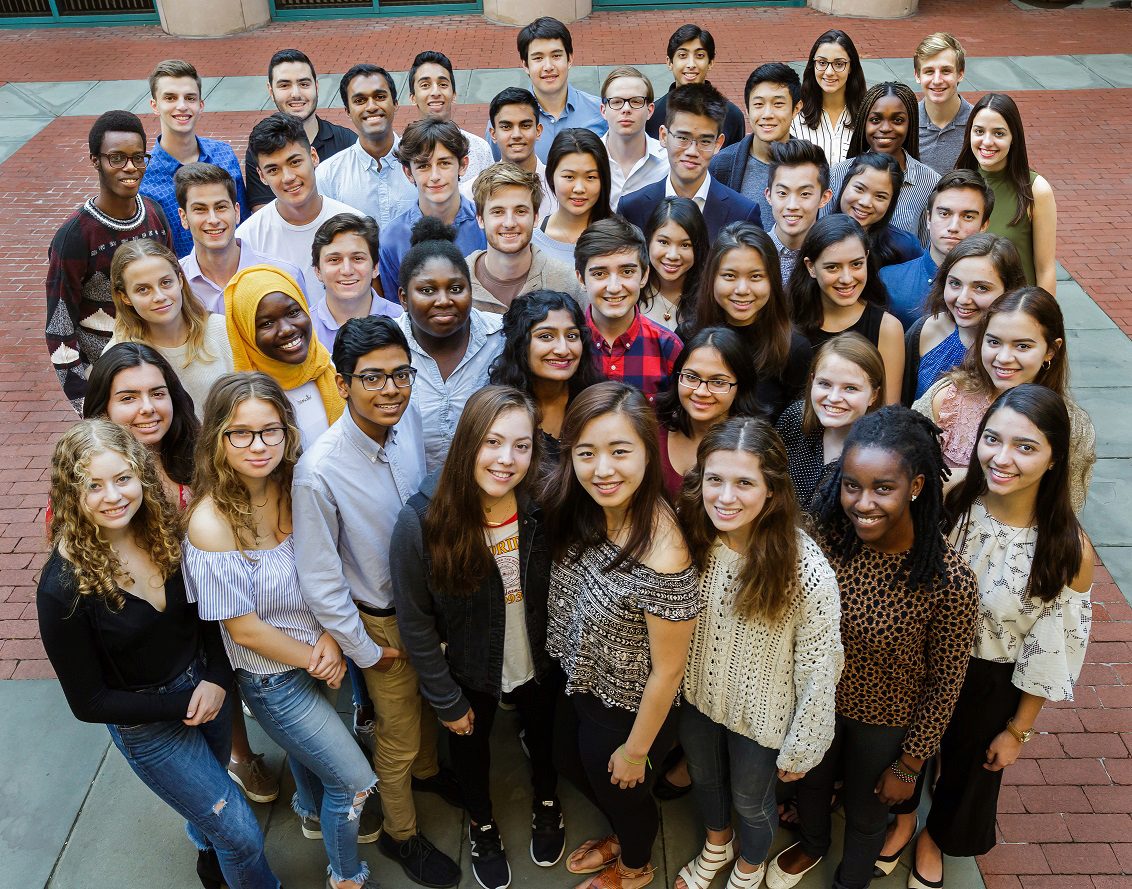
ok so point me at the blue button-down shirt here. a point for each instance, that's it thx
(441, 401)
(378, 188)
(211, 293)
(908, 284)
(157, 183)
(582, 110)
(395, 241)
(326, 326)
(345, 497)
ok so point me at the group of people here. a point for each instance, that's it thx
(740, 465)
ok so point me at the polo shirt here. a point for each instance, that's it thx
(378, 188)
(326, 326)
(328, 141)
(157, 184)
(649, 169)
(643, 356)
(940, 147)
(395, 240)
(211, 293)
(582, 110)
(908, 284)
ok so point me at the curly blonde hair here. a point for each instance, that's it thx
(214, 478)
(156, 528)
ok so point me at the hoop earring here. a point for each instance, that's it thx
(1047, 364)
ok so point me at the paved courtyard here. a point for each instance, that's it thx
(74, 818)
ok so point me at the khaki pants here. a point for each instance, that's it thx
(405, 731)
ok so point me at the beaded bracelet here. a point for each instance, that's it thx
(898, 770)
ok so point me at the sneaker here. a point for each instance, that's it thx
(364, 732)
(548, 833)
(312, 827)
(489, 863)
(370, 828)
(257, 783)
(444, 784)
(421, 861)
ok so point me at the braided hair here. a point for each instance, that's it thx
(915, 439)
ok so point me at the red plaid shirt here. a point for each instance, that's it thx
(643, 356)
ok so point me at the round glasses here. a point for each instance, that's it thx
(838, 65)
(243, 438)
(117, 159)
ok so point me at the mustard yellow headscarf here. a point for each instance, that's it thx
(241, 301)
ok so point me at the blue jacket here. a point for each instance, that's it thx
(723, 206)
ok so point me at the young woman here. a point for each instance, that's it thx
(977, 271)
(155, 305)
(1013, 522)
(1021, 339)
(1024, 208)
(678, 244)
(619, 622)
(482, 594)
(872, 184)
(547, 353)
(832, 87)
(846, 382)
(908, 608)
(741, 289)
(766, 654)
(835, 289)
(240, 564)
(130, 649)
(714, 378)
(577, 168)
(269, 327)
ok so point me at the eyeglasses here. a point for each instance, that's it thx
(243, 438)
(689, 380)
(117, 159)
(635, 102)
(838, 65)
(374, 381)
(704, 144)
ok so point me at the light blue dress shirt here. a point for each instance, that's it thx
(211, 293)
(582, 110)
(395, 239)
(326, 326)
(378, 188)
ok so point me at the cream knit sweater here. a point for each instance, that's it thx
(774, 684)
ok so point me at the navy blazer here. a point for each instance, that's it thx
(723, 206)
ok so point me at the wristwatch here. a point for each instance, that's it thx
(1020, 736)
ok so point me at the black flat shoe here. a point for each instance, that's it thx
(208, 870)
(665, 790)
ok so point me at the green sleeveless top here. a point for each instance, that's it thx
(1005, 206)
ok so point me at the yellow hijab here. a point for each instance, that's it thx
(241, 301)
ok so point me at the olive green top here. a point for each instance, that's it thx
(1005, 206)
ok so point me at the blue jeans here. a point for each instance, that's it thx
(187, 767)
(729, 769)
(332, 777)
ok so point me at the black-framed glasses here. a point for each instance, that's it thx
(117, 159)
(243, 438)
(838, 65)
(635, 102)
(689, 380)
(704, 144)
(375, 380)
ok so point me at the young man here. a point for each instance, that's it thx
(959, 206)
(285, 228)
(346, 493)
(344, 256)
(691, 53)
(293, 87)
(507, 204)
(514, 130)
(545, 52)
(797, 189)
(367, 175)
(432, 88)
(691, 137)
(209, 212)
(612, 262)
(175, 97)
(636, 159)
(80, 309)
(773, 96)
(433, 154)
(939, 61)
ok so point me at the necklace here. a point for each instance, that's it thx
(669, 307)
(118, 225)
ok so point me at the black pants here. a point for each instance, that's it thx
(471, 754)
(589, 740)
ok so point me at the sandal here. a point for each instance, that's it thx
(603, 847)
(701, 870)
(741, 880)
(613, 877)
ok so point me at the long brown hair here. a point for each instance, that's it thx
(1017, 160)
(1003, 254)
(768, 579)
(460, 560)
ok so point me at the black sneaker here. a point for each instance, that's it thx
(370, 828)
(444, 784)
(422, 862)
(489, 864)
(548, 833)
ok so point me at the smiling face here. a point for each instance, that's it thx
(437, 176)
(990, 140)
(504, 456)
(742, 286)
(956, 214)
(210, 215)
(939, 77)
(555, 347)
(703, 406)
(153, 288)
(795, 199)
(439, 298)
(972, 285)
(770, 109)
(282, 329)
(671, 252)
(1013, 349)
(841, 392)
(112, 491)
(577, 183)
(734, 492)
(827, 58)
(690, 63)
(867, 196)
(1014, 453)
(346, 268)
(294, 89)
(376, 412)
(610, 460)
(691, 143)
(886, 125)
(626, 120)
(140, 401)
(371, 105)
(289, 173)
(614, 282)
(508, 219)
(548, 65)
(841, 271)
(124, 182)
(177, 103)
(257, 460)
(876, 495)
(516, 130)
(433, 91)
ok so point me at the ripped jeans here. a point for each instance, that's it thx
(186, 766)
(332, 777)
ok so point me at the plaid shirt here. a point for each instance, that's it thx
(643, 356)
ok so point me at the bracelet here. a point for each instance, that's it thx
(898, 770)
(907, 768)
(1020, 736)
(635, 762)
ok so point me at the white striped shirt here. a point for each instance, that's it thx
(832, 138)
(919, 180)
(265, 582)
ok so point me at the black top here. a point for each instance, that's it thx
(331, 139)
(734, 125)
(868, 326)
(912, 358)
(104, 657)
(805, 453)
(775, 393)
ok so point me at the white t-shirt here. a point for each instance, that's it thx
(518, 666)
(310, 412)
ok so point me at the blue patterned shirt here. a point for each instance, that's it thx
(582, 110)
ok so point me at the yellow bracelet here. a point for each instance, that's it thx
(634, 762)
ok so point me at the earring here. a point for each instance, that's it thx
(914, 496)
(1047, 364)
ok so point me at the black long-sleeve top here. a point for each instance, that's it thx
(104, 657)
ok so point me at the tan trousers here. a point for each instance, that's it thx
(405, 731)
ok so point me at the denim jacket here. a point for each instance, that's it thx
(471, 626)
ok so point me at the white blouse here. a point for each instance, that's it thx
(1045, 640)
(831, 136)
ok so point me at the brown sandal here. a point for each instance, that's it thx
(613, 877)
(604, 847)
